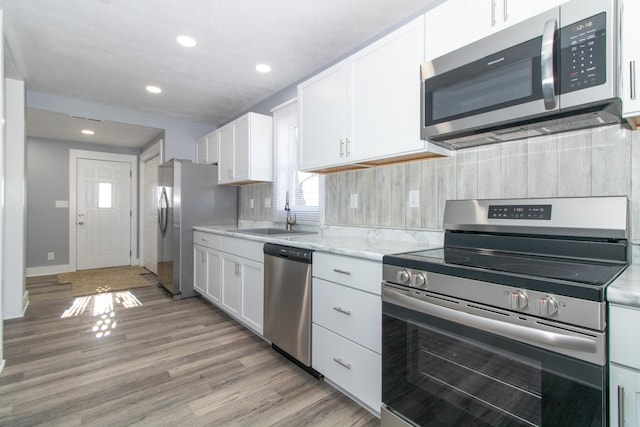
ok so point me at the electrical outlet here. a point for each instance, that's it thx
(353, 200)
(414, 198)
(51, 256)
(250, 203)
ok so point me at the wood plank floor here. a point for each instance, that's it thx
(164, 362)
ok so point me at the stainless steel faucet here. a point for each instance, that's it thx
(290, 222)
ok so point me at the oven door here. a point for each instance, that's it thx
(448, 367)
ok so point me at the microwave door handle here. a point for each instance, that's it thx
(546, 64)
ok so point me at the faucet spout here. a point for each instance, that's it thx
(290, 222)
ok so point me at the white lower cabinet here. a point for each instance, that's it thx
(624, 392)
(230, 275)
(349, 312)
(624, 369)
(352, 367)
(346, 329)
(231, 292)
(206, 264)
(200, 268)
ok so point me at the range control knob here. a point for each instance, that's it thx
(547, 306)
(518, 300)
(420, 281)
(403, 276)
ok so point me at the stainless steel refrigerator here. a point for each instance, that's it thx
(188, 195)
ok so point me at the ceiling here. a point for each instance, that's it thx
(108, 51)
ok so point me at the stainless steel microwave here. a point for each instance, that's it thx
(551, 73)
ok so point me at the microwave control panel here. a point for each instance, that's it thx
(583, 54)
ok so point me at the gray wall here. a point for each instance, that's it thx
(47, 164)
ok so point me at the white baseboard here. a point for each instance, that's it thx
(51, 269)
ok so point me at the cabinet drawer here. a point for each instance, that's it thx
(624, 349)
(354, 314)
(352, 367)
(206, 239)
(243, 248)
(355, 272)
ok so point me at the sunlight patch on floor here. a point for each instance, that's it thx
(103, 308)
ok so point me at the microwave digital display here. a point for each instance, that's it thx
(583, 49)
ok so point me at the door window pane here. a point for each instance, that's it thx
(104, 195)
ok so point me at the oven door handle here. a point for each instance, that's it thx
(507, 330)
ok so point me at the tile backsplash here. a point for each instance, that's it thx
(597, 162)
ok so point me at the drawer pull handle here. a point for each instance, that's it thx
(342, 310)
(337, 270)
(204, 240)
(342, 363)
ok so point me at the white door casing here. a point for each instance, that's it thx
(103, 214)
(101, 248)
(150, 214)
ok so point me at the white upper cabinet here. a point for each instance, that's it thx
(630, 61)
(385, 94)
(207, 149)
(323, 113)
(366, 109)
(246, 150)
(201, 151)
(456, 23)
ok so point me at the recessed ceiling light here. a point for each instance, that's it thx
(88, 131)
(263, 68)
(186, 41)
(154, 89)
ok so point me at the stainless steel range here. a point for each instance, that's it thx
(506, 324)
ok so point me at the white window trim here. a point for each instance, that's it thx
(304, 215)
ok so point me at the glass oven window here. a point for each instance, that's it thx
(436, 372)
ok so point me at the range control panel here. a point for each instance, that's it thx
(541, 212)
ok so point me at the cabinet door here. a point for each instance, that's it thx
(241, 147)
(625, 384)
(323, 108)
(252, 283)
(456, 23)
(231, 291)
(385, 97)
(200, 269)
(630, 67)
(510, 12)
(201, 151)
(225, 162)
(214, 276)
(212, 148)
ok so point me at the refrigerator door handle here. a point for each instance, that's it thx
(163, 217)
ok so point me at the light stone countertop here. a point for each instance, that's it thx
(625, 290)
(371, 244)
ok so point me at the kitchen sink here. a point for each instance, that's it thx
(270, 231)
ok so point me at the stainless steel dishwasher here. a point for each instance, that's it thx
(287, 302)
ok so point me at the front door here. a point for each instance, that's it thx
(103, 214)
